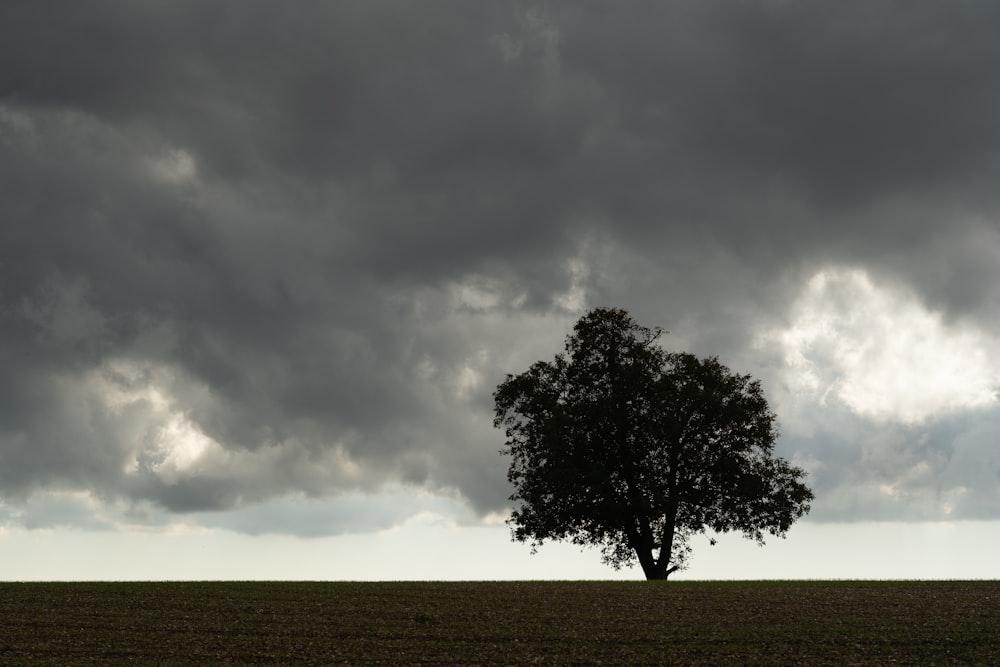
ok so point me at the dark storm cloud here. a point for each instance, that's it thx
(319, 234)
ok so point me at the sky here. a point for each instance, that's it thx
(263, 264)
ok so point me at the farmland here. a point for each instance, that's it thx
(270, 623)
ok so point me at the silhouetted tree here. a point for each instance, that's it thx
(619, 444)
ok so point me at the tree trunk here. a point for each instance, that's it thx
(655, 570)
(650, 567)
(659, 568)
(642, 544)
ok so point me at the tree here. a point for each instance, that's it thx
(619, 444)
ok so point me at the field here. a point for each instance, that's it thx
(303, 623)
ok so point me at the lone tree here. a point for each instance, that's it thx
(620, 444)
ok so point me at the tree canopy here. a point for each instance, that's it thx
(620, 444)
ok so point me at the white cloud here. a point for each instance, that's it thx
(881, 352)
(175, 165)
(165, 441)
(476, 295)
(470, 375)
(574, 299)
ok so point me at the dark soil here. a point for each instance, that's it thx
(551, 623)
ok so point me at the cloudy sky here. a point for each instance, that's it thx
(263, 264)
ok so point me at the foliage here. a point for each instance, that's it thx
(620, 444)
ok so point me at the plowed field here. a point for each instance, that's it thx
(551, 623)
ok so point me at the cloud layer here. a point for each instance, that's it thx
(252, 253)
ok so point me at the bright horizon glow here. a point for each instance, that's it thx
(428, 551)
